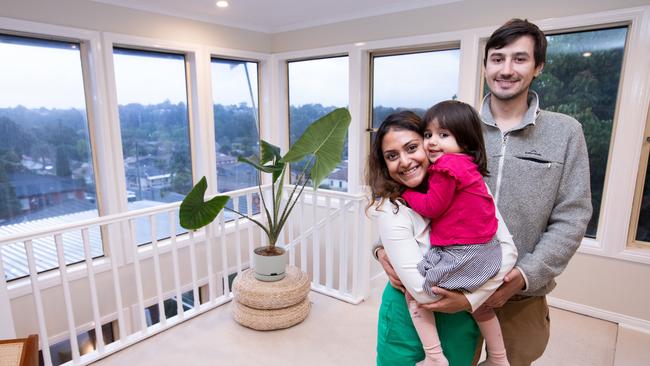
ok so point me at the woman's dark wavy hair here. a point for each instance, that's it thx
(382, 186)
(513, 30)
(463, 122)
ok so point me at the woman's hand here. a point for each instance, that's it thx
(390, 271)
(450, 302)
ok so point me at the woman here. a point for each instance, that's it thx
(398, 161)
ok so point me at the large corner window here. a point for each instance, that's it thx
(236, 128)
(46, 166)
(317, 87)
(581, 78)
(152, 102)
(413, 81)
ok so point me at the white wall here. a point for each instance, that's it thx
(444, 18)
(91, 15)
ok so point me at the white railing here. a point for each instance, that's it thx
(325, 237)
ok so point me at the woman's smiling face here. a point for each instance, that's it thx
(405, 157)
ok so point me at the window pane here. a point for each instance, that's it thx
(236, 126)
(414, 81)
(581, 79)
(643, 228)
(152, 99)
(317, 87)
(46, 166)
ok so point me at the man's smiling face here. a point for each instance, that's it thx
(510, 70)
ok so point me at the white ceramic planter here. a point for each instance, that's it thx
(269, 268)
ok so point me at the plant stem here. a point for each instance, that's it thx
(288, 208)
(268, 215)
(249, 218)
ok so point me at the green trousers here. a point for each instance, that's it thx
(398, 343)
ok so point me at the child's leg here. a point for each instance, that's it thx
(425, 325)
(491, 330)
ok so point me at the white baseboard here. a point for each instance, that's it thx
(627, 321)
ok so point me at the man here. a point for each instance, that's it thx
(539, 176)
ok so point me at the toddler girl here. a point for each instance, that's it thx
(464, 252)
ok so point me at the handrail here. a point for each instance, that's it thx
(109, 219)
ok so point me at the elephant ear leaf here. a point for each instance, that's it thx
(196, 213)
(324, 139)
(268, 154)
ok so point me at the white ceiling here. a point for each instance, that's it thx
(272, 16)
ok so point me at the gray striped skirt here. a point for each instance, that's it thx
(460, 267)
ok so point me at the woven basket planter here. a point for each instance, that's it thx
(289, 291)
(271, 305)
(271, 319)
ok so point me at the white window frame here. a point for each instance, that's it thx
(401, 52)
(286, 139)
(263, 99)
(94, 91)
(94, 88)
(197, 73)
(626, 146)
(640, 186)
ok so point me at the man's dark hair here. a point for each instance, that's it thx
(513, 30)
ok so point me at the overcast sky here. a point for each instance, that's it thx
(51, 77)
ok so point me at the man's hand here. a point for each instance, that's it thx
(450, 302)
(390, 271)
(512, 283)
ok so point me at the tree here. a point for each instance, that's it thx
(585, 87)
(9, 205)
(62, 162)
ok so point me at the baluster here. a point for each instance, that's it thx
(90, 270)
(67, 298)
(156, 266)
(38, 304)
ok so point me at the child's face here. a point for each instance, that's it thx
(438, 141)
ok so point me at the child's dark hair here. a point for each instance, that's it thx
(464, 123)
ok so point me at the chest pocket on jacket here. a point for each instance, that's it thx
(542, 174)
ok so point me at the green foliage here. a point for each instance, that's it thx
(9, 205)
(194, 213)
(62, 162)
(585, 88)
(323, 141)
(268, 154)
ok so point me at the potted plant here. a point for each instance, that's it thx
(321, 143)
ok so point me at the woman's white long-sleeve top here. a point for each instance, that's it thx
(405, 237)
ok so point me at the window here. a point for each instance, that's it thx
(152, 313)
(236, 126)
(642, 214)
(152, 101)
(46, 165)
(414, 81)
(61, 352)
(581, 79)
(317, 87)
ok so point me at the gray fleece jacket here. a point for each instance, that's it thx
(539, 176)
